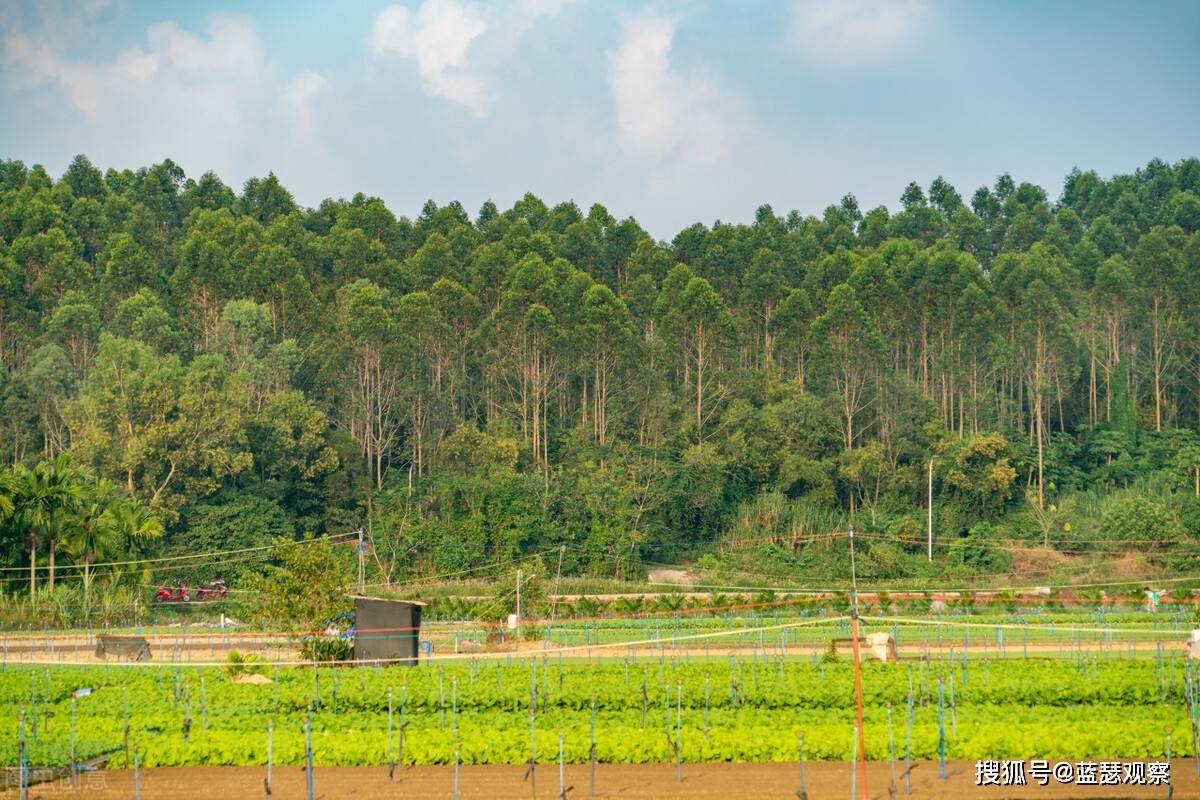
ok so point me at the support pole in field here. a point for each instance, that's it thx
(858, 690)
(308, 754)
(891, 754)
(803, 793)
(679, 731)
(74, 771)
(270, 756)
(22, 784)
(400, 742)
(391, 762)
(908, 747)
(562, 777)
(532, 772)
(953, 712)
(1189, 689)
(457, 745)
(33, 705)
(137, 775)
(644, 698)
(125, 717)
(941, 728)
(706, 706)
(592, 755)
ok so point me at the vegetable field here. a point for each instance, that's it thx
(629, 709)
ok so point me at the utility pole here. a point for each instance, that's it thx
(929, 528)
(858, 690)
(519, 574)
(362, 553)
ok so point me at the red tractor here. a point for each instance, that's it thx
(176, 594)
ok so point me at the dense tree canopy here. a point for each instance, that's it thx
(469, 390)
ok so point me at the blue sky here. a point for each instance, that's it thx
(672, 112)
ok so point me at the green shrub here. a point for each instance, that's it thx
(1139, 519)
(244, 664)
(326, 648)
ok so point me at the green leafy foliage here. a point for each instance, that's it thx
(477, 390)
(1010, 710)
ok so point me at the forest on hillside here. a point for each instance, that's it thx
(188, 368)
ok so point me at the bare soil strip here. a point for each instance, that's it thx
(635, 782)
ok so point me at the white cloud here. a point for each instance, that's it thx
(232, 50)
(441, 35)
(850, 33)
(436, 37)
(661, 110)
(297, 98)
(209, 99)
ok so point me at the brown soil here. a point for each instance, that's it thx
(680, 576)
(1130, 565)
(639, 782)
(1038, 560)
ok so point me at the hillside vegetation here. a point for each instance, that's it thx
(189, 369)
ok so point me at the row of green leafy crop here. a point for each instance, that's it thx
(759, 682)
(1067, 704)
(731, 736)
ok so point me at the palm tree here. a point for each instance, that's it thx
(135, 525)
(93, 532)
(45, 498)
(10, 526)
